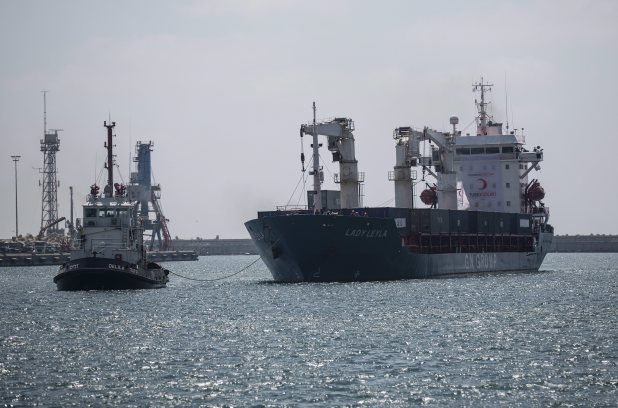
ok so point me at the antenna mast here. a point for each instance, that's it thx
(44, 111)
(71, 225)
(506, 97)
(109, 189)
(317, 202)
(482, 107)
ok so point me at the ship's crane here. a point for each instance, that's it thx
(441, 158)
(160, 225)
(48, 226)
(341, 144)
(142, 190)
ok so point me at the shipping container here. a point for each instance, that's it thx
(439, 221)
(402, 219)
(523, 224)
(514, 221)
(473, 222)
(429, 221)
(486, 222)
(502, 223)
(459, 221)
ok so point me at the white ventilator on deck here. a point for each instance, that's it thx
(341, 145)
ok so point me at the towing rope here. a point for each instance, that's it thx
(216, 279)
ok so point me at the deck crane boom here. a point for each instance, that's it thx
(441, 158)
(341, 144)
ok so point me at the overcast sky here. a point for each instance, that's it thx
(221, 88)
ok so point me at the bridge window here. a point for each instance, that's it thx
(477, 150)
(462, 150)
(507, 149)
(90, 212)
(491, 150)
(107, 212)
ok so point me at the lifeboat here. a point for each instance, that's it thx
(536, 192)
(429, 196)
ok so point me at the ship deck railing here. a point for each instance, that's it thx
(291, 208)
(100, 244)
(467, 243)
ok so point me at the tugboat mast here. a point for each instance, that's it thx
(109, 189)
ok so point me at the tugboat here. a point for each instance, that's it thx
(108, 251)
(482, 213)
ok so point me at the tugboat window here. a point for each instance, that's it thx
(106, 212)
(90, 212)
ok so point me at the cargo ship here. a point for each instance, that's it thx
(108, 250)
(480, 213)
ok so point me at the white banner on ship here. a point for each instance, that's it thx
(481, 181)
(462, 197)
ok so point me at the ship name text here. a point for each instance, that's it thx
(366, 233)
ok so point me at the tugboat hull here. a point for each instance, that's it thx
(108, 274)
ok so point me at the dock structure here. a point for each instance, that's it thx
(142, 190)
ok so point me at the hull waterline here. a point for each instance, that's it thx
(108, 274)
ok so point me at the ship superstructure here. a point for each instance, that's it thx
(108, 250)
(482, 213)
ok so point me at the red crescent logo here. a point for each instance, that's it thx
(483, 184)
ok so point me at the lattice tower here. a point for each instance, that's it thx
(50, 144)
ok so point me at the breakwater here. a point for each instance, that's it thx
(189, 249)
(585, 243)
(35, 259)
(29, 259)
(205, 247)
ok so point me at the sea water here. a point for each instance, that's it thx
(541, 339)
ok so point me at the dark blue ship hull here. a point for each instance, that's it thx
(109, 274)
(344, 248)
